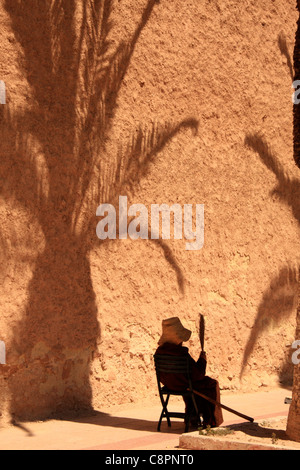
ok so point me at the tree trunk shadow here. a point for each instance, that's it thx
(53, 343)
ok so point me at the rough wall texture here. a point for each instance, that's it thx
(81, 318)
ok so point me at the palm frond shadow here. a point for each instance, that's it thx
(280, 298)
(283, 47)
(54, 164)
(278, 303)
(133, 163)
(287, 189)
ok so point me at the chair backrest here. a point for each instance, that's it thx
(171, 364)
(168, 364)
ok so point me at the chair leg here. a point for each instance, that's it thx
(160, 420)
(167, 413)
(192, 412)
(164, 413)
(187, 423)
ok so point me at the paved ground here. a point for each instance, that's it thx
(133, 427)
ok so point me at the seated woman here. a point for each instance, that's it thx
(170, 343)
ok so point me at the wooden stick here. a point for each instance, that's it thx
(201, 331)
(248, 418)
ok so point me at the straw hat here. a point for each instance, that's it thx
(173, 331)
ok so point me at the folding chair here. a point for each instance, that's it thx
(174, 365)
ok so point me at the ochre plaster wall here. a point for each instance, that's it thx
(81, 318)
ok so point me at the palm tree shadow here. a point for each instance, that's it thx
(54, 165)
(280, 299)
